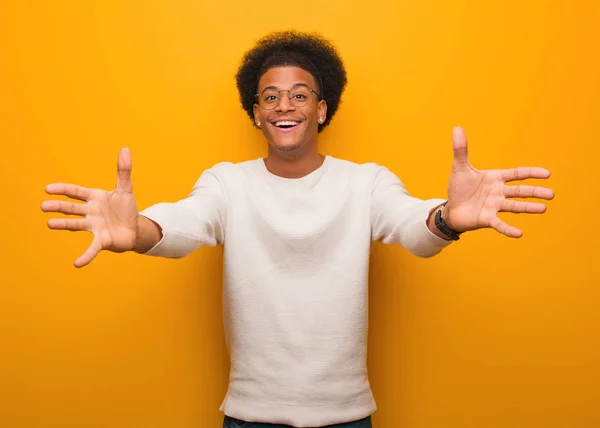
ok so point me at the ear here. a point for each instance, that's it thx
(256, 111)
(322, 110)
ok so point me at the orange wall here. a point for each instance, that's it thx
(492, 333)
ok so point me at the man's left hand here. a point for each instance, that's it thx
(476, 197)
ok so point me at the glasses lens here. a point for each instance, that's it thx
(299, 95)
(268, 99)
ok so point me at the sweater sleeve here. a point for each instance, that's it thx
(198, 220)
(399, 218)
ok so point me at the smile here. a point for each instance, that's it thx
(286, 125)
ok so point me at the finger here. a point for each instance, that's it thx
(68, 224)
(519, 207)
(71, 190)
(505, 229)
(523, 173)
(528, 192)
(124, 171)
(64, 207)
(89, 254)
(459, 146)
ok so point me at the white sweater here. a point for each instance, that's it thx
(296, 259)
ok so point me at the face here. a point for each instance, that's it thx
(288, 127)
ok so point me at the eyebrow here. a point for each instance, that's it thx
(276, 88)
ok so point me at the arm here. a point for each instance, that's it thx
(175, 229)
(399, 218)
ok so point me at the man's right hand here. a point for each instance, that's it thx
(112, 216)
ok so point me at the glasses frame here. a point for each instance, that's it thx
(288, 95)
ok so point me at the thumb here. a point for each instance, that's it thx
(459, 146)
(124, 183)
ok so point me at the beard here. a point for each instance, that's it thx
(286, 148)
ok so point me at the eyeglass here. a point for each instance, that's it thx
(299, 95)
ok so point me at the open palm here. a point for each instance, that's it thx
(111, 216)
(476, 197)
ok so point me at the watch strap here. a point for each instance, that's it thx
(443, 227)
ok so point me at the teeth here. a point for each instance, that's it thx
(286, 123)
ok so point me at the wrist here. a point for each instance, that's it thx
(147, 235)
(138, 233)
(447, 217)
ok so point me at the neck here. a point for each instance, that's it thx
(291, 164)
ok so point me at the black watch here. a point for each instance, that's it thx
(443, 227)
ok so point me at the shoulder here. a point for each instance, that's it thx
(226, 171)
(224, 177)
(369, 171)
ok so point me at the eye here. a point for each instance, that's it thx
(299, 96)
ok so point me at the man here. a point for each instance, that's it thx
(296, 229)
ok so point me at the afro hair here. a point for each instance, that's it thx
(311, 52)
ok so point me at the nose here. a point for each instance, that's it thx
(285, 104)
